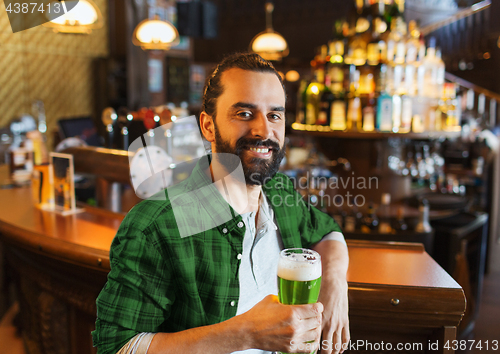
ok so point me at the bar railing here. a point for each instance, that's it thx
(480, 6)
(486, 104)
(485, 101)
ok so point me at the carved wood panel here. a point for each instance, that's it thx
(57, 305)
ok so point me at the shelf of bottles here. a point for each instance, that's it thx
(377, 76)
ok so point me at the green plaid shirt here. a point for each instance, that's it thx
(162, 282)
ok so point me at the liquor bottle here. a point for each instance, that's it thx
(354, 113)
(381, 81)
(302, 102)
(392, 39)
(366, 80)
(416, 124)
(423, 225)
(409, 80)
(369, 115)
(469, 114)
(337, 108)
(350, 221)
(357, 214)
(338, 213)
(400, 224)
(429, 66)
(335, 67)
(35, 142)
(361, 16)
(441, 111)
(321, 63)
(353, 218)
(337, 54)
(395, 11)
(313, 94)
(384, 113)
(430, 118)
(373, 50)
(356, 51)
(476, 156)
(384, 226)
(406, 113)
(378, 23)
(396, 113)
(325, 103)
(337, 45)
(370, 221)
(440, 72)
(413, 43)
(378, 26)
(400, 38)
(452, 116)
(396, 84)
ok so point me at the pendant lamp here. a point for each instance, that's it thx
(269, 44)
(82, 17)
(155, 34)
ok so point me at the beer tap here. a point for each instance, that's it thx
(124, 120)
(108, 118)
(150, 122)
(38, 110)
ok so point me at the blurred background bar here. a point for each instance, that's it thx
(392, 124)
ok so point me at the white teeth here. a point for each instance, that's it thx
(263, 151)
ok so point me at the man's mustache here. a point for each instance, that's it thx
(246, 142)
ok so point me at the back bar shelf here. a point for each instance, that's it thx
(326, 132)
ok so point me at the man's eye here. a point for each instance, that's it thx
(274, 116)
(244, 114)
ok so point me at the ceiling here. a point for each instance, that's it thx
(306, 25)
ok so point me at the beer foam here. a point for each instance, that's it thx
(298, 266)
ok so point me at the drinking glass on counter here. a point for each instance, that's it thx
(299, 276)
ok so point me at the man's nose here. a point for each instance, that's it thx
(261, 127)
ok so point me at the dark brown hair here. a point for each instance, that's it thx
(246, 61)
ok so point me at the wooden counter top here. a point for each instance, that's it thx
(393, 263)
(397, 292)
(86, 238)
(82, 238)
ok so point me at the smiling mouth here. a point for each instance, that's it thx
(260, 150)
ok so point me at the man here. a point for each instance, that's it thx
(214, 291)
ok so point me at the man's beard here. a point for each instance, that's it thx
(257, 171)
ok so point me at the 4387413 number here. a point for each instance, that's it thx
(34, 7)
(470, 344)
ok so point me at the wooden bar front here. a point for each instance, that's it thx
(397, 292)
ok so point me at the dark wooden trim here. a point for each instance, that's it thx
(409, 246)
(110, 164)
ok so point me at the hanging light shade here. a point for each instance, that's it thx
(83, 17)
(269, 44)
(155, 34)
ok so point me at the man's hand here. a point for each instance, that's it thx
(286, 328)
(335, 333)
(333, 296)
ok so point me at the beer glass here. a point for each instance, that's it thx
(299, 276)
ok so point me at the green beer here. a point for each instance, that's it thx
(299, 276)
(294, 292)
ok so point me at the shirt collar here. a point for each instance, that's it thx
(205, 193)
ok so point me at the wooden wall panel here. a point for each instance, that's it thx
(55, 68)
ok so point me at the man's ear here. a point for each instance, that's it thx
(207, 126)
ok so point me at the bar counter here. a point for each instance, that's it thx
(397, 292)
